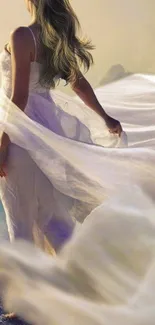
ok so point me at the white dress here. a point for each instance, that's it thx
(36, 207)
(105, 274)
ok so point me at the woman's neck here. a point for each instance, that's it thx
(33, 19)
(33, 15)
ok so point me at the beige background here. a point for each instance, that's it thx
(122, 30)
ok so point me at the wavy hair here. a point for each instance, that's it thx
(64, 52)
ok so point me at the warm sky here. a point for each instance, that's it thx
(122, 30)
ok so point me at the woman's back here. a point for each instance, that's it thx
(35, 70)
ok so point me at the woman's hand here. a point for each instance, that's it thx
(3, 157)
(83, 89)
(113, 125)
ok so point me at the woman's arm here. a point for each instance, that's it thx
(84, 90)
(4, 142)
(20, 44)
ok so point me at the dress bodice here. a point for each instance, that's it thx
(37, 109)
(6, 75)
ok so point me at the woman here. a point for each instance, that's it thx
(33, 61)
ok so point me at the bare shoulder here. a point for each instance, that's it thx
(20, 34)
(20, 38)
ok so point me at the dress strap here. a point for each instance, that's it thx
(35, 43)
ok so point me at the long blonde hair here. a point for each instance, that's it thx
(63, 51)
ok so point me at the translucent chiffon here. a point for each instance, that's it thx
(105, 273)
(48, 177)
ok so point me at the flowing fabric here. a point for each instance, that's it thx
(105, 274)
(48, 187)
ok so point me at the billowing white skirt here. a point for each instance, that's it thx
(105, 274)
